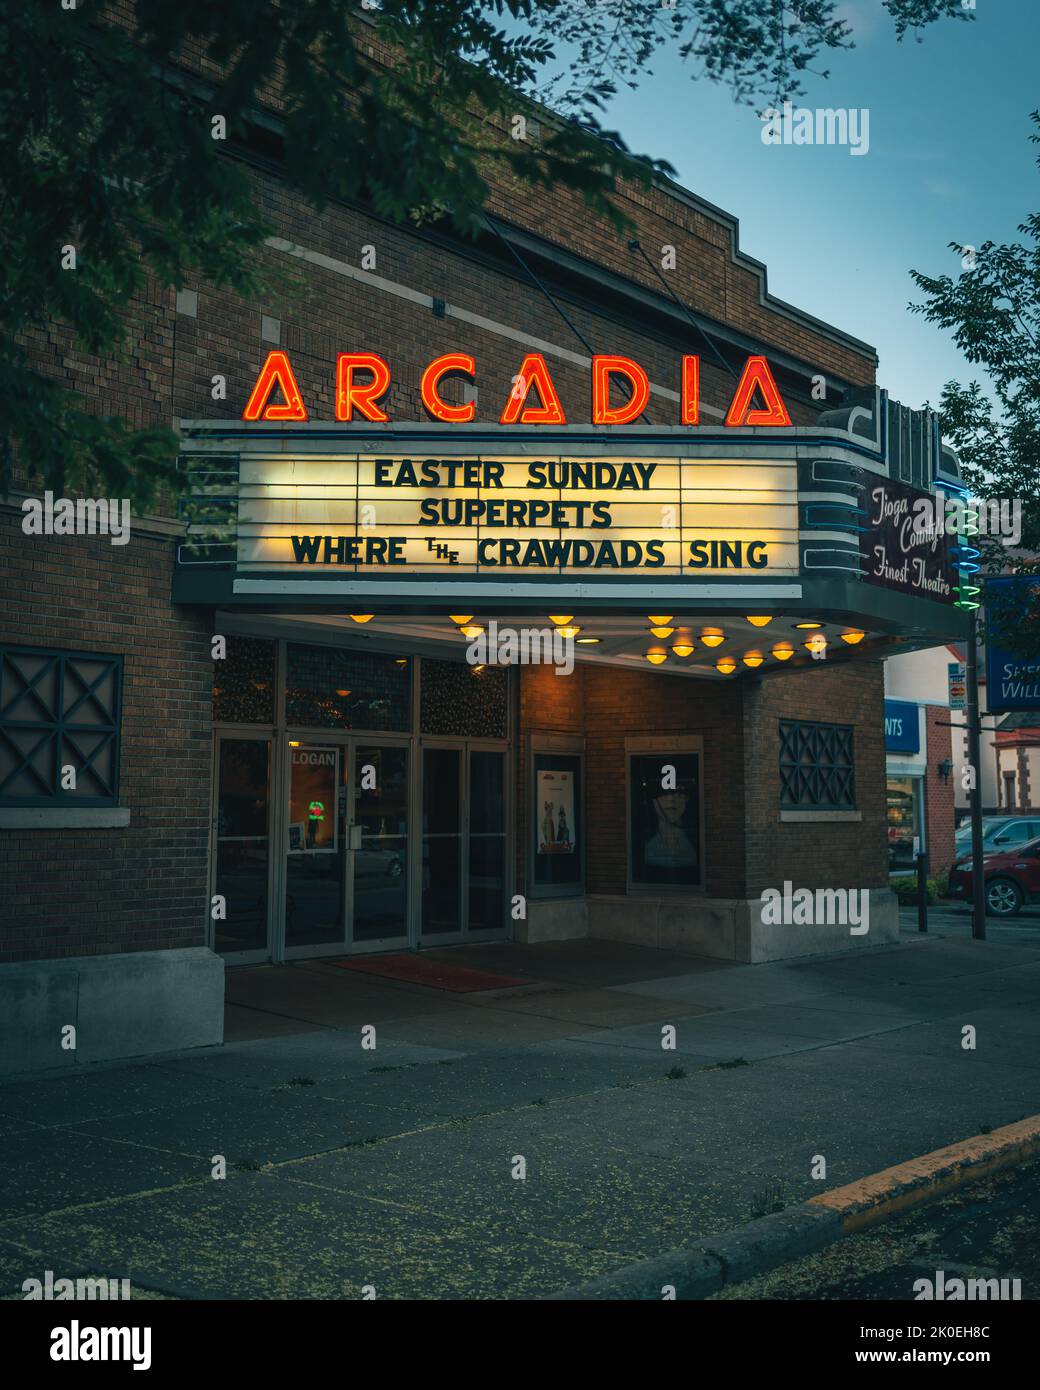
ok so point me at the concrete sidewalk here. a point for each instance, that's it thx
(394, 1168)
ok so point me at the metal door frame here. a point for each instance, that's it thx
(465, 747)
(243, 733)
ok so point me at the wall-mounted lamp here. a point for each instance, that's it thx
(944, 769)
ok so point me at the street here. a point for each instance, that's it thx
(987, 1231)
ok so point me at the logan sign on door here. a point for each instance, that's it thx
(395, 515)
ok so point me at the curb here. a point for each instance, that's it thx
(764, 1244)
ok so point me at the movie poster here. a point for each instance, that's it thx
(665, 819)
(555, 809)
(313, 804)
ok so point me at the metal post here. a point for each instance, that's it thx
(978, 885)
(922, 891)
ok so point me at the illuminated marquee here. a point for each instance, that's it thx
(395, 514)
(363, 380)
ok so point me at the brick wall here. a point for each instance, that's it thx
(117, 890)
(172, 359)
(87, 892)
(818, 854)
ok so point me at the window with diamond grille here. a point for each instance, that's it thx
(59, 710)
(816, 767)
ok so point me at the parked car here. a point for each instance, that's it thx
(378, 861)
(998, 832)
(1011, 876)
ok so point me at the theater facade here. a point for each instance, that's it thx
(517, 592)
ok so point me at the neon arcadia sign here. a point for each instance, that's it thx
(362, 380)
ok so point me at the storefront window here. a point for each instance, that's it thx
(460, 700)
(664, 819)
(243, 682)
(904, 821)
(335, 688)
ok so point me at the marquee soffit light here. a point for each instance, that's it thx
(659, 622)
(712, 636)
(560, 621)
(783, 651)
(726, 665)
(655, 656)
(571, 631)
(806, 626)
(853, 637)
(362, 617)
(459, 619)
(682, 648)
(587, 641)
(662, 632)
(471, 630)
(753, 658)
(760, 621)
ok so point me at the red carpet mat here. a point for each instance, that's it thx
(437, 974)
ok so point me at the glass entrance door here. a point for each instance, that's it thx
(379, 861)
(346, 851)
(241, 846)
(316, 848)
(464, 840)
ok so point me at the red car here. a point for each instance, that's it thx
(1012, 877)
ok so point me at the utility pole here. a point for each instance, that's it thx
(978, 885)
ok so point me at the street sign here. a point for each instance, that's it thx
(958, 684)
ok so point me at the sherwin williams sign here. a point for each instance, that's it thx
(902, 727)
(499, 513)
(1012, 678)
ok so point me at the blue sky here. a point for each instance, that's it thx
(949, 158)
